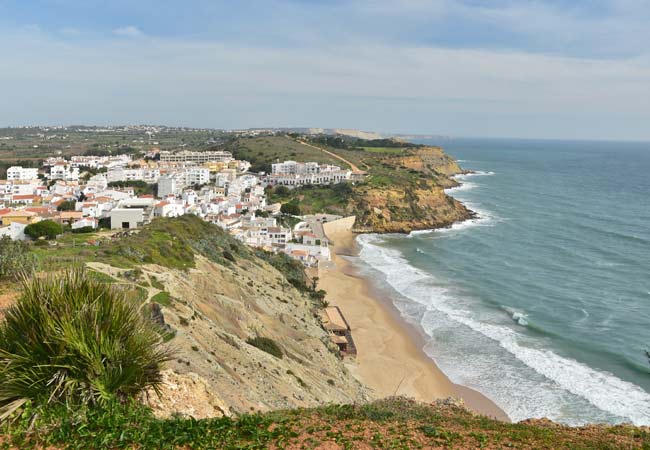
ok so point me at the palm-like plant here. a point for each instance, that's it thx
(75, 340)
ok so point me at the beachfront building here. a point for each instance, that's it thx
(338, 329)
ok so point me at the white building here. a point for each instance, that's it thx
(126, 218)
(292, 174)
(196, 175)
(18, 173)
(195, 157)
(169, 185)
(64, 171)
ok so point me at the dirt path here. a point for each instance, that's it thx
(115, 273)
(334, 155)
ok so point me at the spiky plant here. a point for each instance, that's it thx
(75, 340)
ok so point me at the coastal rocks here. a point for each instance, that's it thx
(396, 210)
(416, 200)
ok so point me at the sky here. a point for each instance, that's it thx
(494, 68)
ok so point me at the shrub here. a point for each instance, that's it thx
(15, 259)
(68, 205)
(81, 230)
(266, 345)
(291, 207)
(72, 339)
(45, 228)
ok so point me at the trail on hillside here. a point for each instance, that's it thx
(334, 155)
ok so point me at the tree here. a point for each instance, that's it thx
(48, 355)
(15, 259)
(281, 191)
(291, 208)
(68, 205)
(45, 228)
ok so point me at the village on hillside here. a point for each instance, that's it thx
(118, 192)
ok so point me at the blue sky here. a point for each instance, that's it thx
(556, 69)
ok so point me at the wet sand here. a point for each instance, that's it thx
(390, 357)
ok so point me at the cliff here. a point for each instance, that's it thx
(215, 309)
(408, 194)
(214, 296)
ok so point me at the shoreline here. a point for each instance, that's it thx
(391, 358)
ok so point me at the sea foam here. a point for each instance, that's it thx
(619, 399)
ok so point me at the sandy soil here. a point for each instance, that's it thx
(390, 358)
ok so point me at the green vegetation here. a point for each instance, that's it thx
(73, 340)
(352, 143)
(45, 228)
(291, 207)
(139, 186)
(162, 298)
(83, 230)
(261, 152)
(393, 423)
(68, 205)
(293, 270)
(169, 242)
(267, 345)
(15, 259)
(314, 199)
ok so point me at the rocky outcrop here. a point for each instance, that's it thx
(411, 204)
(400, 210)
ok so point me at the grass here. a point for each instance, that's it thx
(75, 340)
(261, 152)
(385, 150)
(162, 298)
(386, 424)
(169, 242)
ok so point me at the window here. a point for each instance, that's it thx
(125, 225)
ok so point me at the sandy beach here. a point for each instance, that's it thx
(390, 358)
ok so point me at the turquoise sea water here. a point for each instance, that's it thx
(543, 302)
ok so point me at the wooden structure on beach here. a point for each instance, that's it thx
(338, 329)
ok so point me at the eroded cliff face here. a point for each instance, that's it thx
(409, 205)
(215, 309)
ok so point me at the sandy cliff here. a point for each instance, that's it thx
(214, 310)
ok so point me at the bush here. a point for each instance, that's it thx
(45, 228)
(291, 207)
(15, 259)
(81, 230)
(72, 339)
(266, 345)
(68, 205)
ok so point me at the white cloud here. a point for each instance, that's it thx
(383, 87)
(128, 31)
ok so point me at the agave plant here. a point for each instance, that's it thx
(75, 340)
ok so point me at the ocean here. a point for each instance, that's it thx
(542, 303)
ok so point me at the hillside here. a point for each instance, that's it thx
(403, 190)
(215, 295)
(386, 424)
